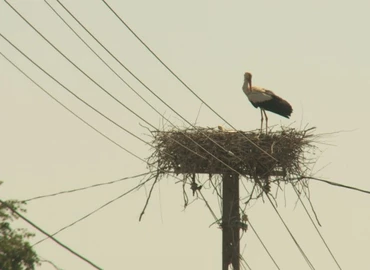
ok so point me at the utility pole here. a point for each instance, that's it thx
(230, 221)
(248, 153)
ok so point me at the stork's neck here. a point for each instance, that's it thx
(246, 88)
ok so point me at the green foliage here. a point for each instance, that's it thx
(15, 251)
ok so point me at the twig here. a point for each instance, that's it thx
(150, 194)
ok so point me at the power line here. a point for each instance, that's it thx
(70, 191)
(76, 96)
(110, 68)
(78, 68)
(112, 96)
(307, 260)
(178, 78)
(49, 236)
(264, 246)
(334, 184)
(67, 10)
(317, 230)
(130, 87)
(94, 211)
(291, 234)
(85, 123)
(87, 187)
(100, 58)
(91, 79)
(59, 103)
(102, 88)
(69, 110)
(45, 71)
(43, 260)
(146, 87)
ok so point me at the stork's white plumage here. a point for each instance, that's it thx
(265, 100)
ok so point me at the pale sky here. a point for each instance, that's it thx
(312, 53)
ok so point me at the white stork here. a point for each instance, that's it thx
(265, 100)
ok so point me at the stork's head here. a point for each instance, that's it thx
(248, 79)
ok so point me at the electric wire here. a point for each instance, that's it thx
(146, 87)
(242, 260)
(43, 260)
(122, 65)
(64, 21)
(291, 234)
(208, 206)
(87, 187)
(25, 55)
(100, 58)
(77, 67)
(306, 258)
(80, 99)
(264, 246)
(334, 184)
(316, 228)
(76, 96)
(79, 118)
(74, 190)
(91, 79)
(111, 69)
(94, 211)
(69, 110)
(49, 236)
(62, 54)
(139, 81)
(178, 78)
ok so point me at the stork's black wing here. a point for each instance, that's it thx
(276, 105)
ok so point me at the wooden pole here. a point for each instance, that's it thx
(230, 221)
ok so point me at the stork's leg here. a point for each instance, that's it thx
(261, 120)
(264, 112)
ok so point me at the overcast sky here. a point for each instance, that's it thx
(312, 53)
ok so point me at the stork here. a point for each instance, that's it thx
(265, 99)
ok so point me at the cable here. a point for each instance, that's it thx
(134, 76)
(116, 98)
(43, 260)
(192, 93)
(94, 211)
(70, 191)
(76, 96)
(177, 77)
(80, 119)
(77, 67)
(146, 87)
(264, 246)
(69, 110)
(242, 260)
(140, 82)
(100, 86)
(129, 86)
(49, 236)
(100, 58)
(65, 106)
(209, 207)
(88, 187)
(64, 21)
(55, 79)
(334, 184)
(313, 223)
(91, 79)
(291, 235)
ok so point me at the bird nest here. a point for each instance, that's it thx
(218, 151)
